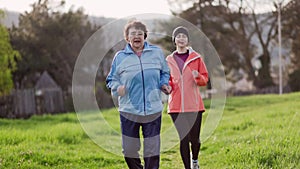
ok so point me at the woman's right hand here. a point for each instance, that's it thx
(195, 73)
(121, 90)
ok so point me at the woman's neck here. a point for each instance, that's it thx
(136, 50)
(181, 49)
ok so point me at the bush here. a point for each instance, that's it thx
(294, 80)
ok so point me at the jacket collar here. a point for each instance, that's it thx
(129, 50)
(192, 53)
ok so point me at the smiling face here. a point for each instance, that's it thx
(181, 40)
(136, 39)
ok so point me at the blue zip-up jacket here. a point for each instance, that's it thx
(142, 77)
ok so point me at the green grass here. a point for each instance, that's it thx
(260, 131)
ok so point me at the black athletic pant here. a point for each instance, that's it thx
(188, 126)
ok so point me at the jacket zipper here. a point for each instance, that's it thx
(182, 94)
(143, 85)
(181, 78)
(197, 57)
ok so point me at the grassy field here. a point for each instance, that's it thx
(259, 131)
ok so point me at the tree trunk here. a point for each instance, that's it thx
(264, 79)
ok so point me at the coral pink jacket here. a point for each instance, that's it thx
(185, 96)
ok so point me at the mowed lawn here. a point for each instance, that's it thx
(261, 131)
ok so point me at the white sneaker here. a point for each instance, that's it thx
(195, 164)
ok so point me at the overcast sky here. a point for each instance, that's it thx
(106, 8)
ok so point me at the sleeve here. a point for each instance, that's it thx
(164, 72)
(171, 83)
(202, 78)
(113, 79)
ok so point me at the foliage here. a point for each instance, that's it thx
(49, 40)
(8, 58)
(259, 131)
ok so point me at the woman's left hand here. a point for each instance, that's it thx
(166, 89)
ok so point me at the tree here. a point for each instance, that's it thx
(266, 25)
(239, 34)
(207, 17)
(8, 58)
(49, 40)
(291, 25)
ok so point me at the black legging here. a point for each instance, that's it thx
(188, 126)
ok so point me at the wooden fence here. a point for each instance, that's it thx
(24, 103)
(27, 102)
